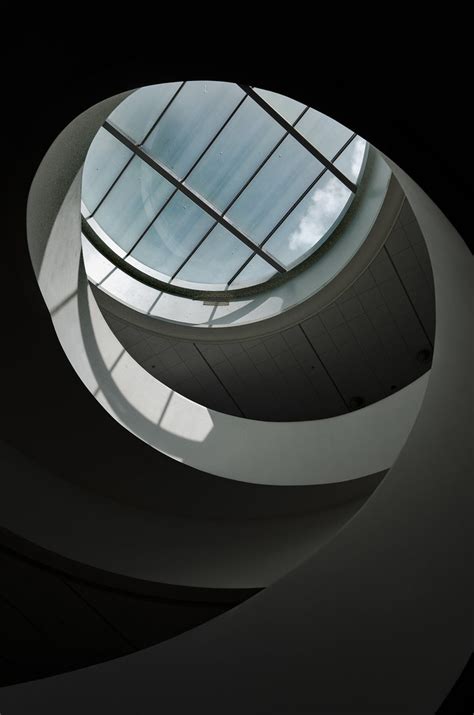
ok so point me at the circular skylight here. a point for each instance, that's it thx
(213, 186)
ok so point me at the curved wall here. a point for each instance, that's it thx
(375, 338)
(170, 548)
(346, 241)
(339, 599)
(342, 448)
(376, 622)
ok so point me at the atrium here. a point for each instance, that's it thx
(235, 464)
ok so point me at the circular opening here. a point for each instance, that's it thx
(213, 190)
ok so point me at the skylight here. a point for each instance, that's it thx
(212, 186)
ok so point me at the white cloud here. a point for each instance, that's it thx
(326, 203)
(357, 156)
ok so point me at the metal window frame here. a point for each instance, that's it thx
(218, 218)
(189, 193)
(292, 131)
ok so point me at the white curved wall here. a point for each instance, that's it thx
(273, 302)
(395, 579)
(326, 451)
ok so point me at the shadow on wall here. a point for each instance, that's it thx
(189, 430)
(123, 408)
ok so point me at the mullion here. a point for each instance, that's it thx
(186, 176)
(241, 190)
(191, 253)
(305, 192)
(299, 137)
(131, 158)
(284, 217)
(239, 270)
(172, 179)
(261, 165)
(292, 208)
(343, 148)
(162, 113)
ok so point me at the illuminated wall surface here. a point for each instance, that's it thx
(221, 501)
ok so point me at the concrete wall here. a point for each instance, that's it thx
(339, 598)
(342, 448)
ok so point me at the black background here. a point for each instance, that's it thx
(407, 97)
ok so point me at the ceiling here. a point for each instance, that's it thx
(66, 620)
(206, 162)
(376, 338)
(394, 126)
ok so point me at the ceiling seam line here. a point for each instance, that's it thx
(408, 297)
(324, 367)
(100, 615)
(219, 380)
(34, 625)
(60, 574)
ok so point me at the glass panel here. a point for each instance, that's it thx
(351, 159)
(323, 132)
(174, 234)
(104, 161)
(275, 188)
(214, 262)
(289, 109)
(235, 155)
(198, 112)
(256, 271)
(310, 222)
(137, 113)
(133, 203)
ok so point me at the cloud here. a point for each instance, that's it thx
(358, 149)
(325, 205)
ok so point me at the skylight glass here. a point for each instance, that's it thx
(235, 155)
(132, 203)
(137, 119)
(185, 130)
(106, 158)
(216, 186)
(218, 257)
(274, 189)
(175, 233)
(309, 222)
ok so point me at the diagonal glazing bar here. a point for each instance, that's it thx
(210, 210)
(162, 113)
(145, 138)
(184, 179)
(292, 207)
(305, 192)
(241, 190)
(299, 137)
